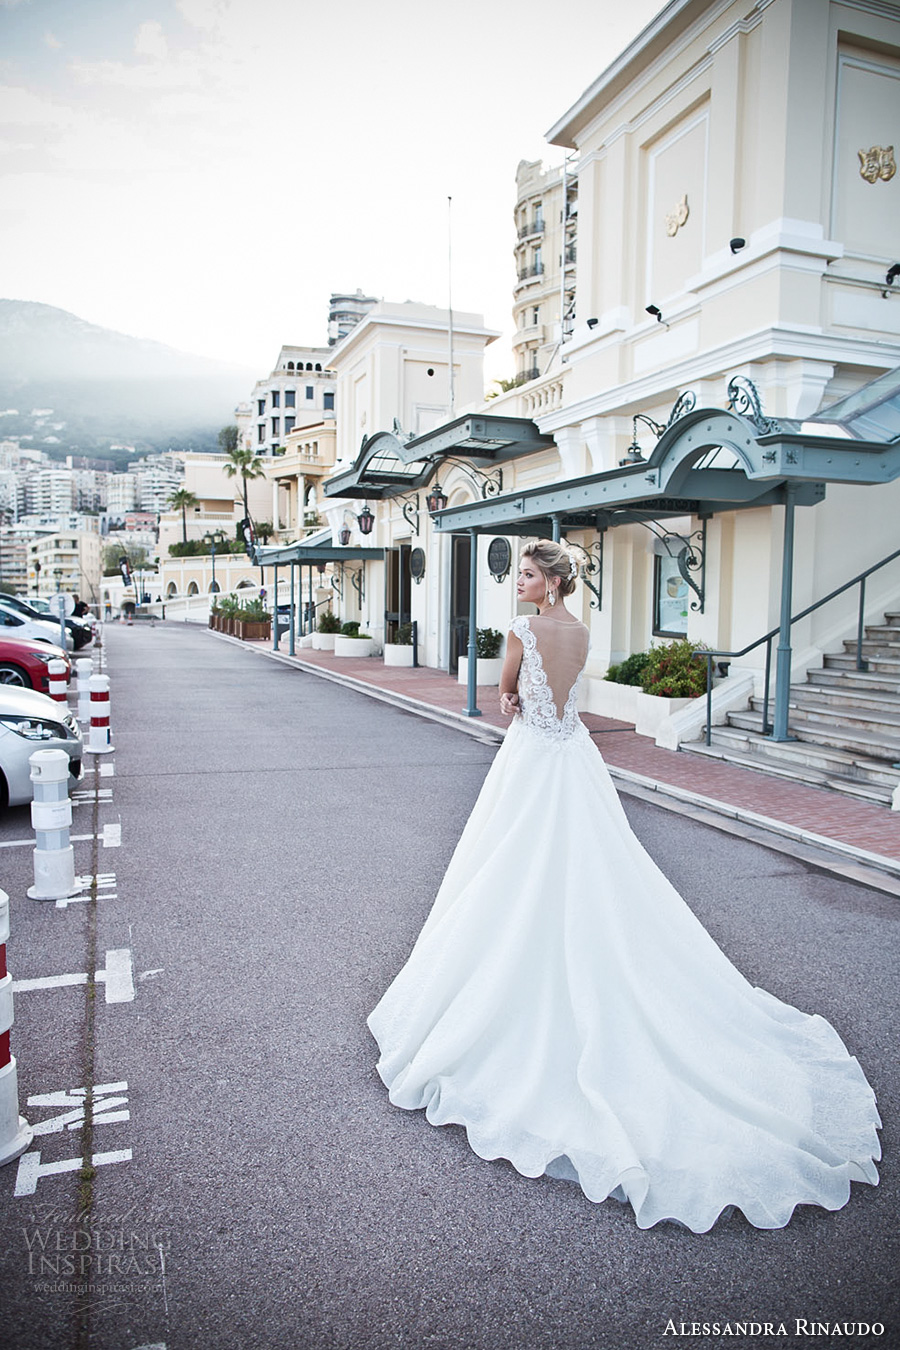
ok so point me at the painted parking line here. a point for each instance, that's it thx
(73, 839)
(117, 976)
(32, 1170)
(105, 890)
(106, 1098)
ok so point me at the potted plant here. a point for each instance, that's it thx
(351, 642)
(399, 652)
(323, 638)
(253, 622)
(673, 675)
(228, 608)
(488, 642)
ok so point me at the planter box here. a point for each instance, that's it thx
(253, 630)
(488, 672)
(651, 712)
(348, 646)
(323, 642)
(398, 654)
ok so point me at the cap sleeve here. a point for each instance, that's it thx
(520, 626)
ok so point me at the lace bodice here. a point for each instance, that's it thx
(537, 707)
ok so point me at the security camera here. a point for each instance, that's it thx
(737, 244)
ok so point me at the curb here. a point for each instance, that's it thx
(831, 855)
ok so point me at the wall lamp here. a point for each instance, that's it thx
(737, 244)
(592, 323)
(365, 520)
(657, 314)
(890, 277)
(436, 499)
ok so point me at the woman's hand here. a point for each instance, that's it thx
(509, 704)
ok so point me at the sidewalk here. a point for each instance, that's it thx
(857, 840)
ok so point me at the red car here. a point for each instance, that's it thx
(24, 663)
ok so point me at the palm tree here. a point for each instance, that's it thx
(249, 465)
(180, 500)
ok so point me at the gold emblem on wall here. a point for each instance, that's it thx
(877, 162)
(678, 217)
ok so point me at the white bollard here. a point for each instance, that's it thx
(56, 680)
(15, 1132)
(84, 669)
(51, 816)
(98, 743)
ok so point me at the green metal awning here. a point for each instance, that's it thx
(307, 553)
(481, 436)
(380, 470)
(705, 462)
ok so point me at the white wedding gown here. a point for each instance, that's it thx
(564, 1005)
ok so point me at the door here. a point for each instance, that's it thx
(461, 561)
(398, 590)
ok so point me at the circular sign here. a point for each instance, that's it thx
(417, 564)
(499, 558)
(61, 604)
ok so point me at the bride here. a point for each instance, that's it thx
(563, 1003)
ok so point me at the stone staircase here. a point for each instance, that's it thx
(846, 723)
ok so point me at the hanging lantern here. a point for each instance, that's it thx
(365, 520)
(344, 536)
(436, 499)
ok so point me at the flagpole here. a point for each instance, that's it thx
(450, 304)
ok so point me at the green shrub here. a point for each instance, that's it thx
(253, 611)
(630, 670)
(488, 642)
(404, 635)
(676, 670)
(329, 622)
(229, 605)
(350, 628)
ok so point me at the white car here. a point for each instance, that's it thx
(31, 721)
(14, 624)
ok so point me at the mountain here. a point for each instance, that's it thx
(71, 387)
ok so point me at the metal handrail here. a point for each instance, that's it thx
(768, 638)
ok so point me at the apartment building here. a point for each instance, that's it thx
(546, 219)
(298, 392)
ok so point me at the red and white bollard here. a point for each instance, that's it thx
(56, 680)
(15, 1132)
(51, 816)
(84, 669)
(98, 742)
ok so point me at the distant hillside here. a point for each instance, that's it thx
(77, 388)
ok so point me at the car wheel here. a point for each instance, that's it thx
(4, 792)
(15, 675)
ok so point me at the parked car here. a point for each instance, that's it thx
(81, 631)
(24, 664)
(30, 721)
(13, 623)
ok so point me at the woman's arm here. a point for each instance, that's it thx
(509, 676)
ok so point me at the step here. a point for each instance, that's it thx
(889, 665)
(839, 697)
(879, 721)
(854, 679)
(864, 743)
(797, 772)
(830, 760)
(874, 646)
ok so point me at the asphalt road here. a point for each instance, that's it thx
(281, 841)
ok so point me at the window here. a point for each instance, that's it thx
(670, 598)
(260, 407)
(289, 425)
(309, 391)
(276, 426)
(536, 314)
(261, 432)
(276, 398)
(537, 261)
(290, 398)
(329, 399)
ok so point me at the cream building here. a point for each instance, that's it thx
(737, 274)
(297, 393)
(66, 560)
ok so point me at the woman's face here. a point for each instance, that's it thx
(531, 586)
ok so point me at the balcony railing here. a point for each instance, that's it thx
(535, 270)
(533, 227)
(524, 376)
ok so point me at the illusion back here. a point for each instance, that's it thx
(554, 655)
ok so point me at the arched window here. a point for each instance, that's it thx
(214, 588)
(171, 591)
(193, 589)
(245, 584)
(309, 365)
(290, 365)
(318, 365)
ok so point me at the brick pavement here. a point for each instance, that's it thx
(807, 813)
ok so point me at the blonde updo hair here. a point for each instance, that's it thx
(553, 560)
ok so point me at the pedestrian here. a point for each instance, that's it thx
(563, 1003)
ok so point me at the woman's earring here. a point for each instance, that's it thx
(551, 596)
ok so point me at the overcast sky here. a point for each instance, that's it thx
(207, 172)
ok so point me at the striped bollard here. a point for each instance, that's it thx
(84, 669)
(56, 680)
(98, 742)
(51, 816)
(15, 1132)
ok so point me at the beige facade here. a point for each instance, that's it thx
(299, 392)
(65, 561)
(546, 219)
(296, 476)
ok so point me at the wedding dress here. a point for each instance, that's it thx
(563, 1003)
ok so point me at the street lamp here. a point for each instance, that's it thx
(436, 499)
(212, 539)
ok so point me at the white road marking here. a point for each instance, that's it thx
(111, 836)
(103, 1109)
(118, 977)
(32, 1170)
